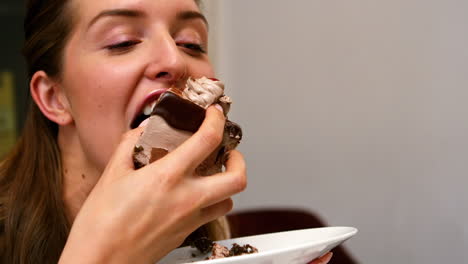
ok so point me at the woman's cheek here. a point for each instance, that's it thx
(202, 69)
(102, 145)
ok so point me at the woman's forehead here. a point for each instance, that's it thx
(87, 10)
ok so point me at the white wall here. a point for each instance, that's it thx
(358, 111)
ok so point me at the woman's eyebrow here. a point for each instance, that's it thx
(116, 12)
(187, 15)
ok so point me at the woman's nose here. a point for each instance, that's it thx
(166, 62)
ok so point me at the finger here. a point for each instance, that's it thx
(122, 157)
(235, 161)
(221, 186)
(217, 210)
(198, 147)
(323, 260)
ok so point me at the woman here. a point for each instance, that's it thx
(69, 192)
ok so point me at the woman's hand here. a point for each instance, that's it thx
(138, 216)
(323, 260)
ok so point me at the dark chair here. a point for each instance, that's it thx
(263, 221)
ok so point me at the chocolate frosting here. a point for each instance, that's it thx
(179, 112)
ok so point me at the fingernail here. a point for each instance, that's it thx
(328, 257)
(220, 108)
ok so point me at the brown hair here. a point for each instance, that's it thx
(33, 223)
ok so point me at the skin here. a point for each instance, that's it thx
(111, 63)
(324, 259)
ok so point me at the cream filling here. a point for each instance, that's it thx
(203, 91)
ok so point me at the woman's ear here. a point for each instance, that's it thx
(50, 98)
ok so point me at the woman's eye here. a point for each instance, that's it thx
(196, 48)
(123, 46)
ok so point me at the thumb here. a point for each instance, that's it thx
(323, 260)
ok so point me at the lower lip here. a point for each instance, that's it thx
(153, 96)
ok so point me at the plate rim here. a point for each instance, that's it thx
(341, 237)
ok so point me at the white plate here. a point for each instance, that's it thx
(293, 247)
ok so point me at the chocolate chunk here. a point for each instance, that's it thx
(203, 244)
(238, 250)
(219, 251)
(234, 135)
(157, 153)
(137, 163)
(138, 149)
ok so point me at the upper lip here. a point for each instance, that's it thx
(151, 97)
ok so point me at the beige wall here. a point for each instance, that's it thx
(357, 110)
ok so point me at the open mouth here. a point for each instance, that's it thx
(146, 108)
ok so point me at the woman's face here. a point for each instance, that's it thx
(120, 54)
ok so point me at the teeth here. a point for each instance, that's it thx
(149, 108)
